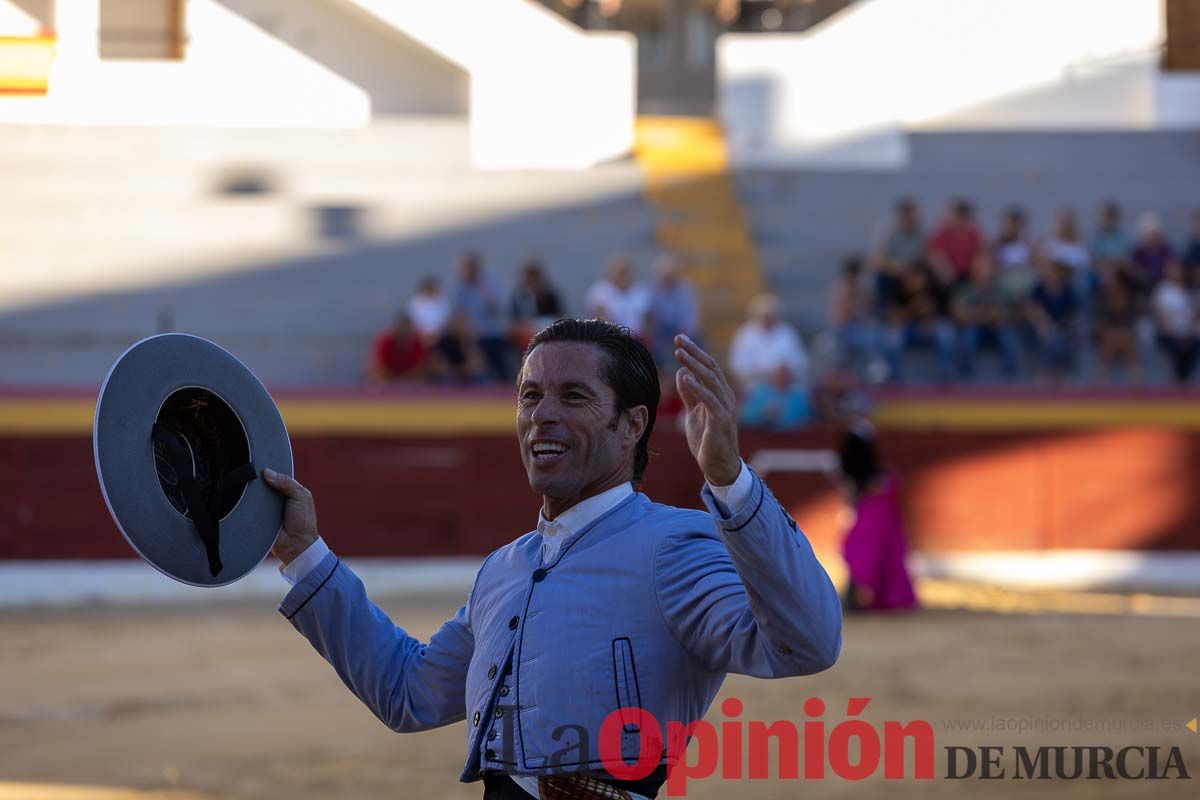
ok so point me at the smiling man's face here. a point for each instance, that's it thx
(574, 443)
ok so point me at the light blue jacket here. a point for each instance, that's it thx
(649, 606)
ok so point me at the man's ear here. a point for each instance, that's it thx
(639, 418)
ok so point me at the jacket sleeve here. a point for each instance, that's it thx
(408, 685)
(754, 600)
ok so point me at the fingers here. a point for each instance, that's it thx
(686, 388)
(685, 343)
(284, 484)
(693, 391)
(709, 375)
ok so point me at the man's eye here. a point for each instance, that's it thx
(530, 395)
(574, 396)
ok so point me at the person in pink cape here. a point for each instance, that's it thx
(876, 544)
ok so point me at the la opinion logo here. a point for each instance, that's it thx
(853, 750)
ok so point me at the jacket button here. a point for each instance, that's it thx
(504, 691)
(539, 575)
(490, 754)
(492, 734)
(512, 623)
(499, 713)
(491, 672)
(475, 718)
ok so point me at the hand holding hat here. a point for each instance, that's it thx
(299, 528)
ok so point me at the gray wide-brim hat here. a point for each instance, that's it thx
(183, 431)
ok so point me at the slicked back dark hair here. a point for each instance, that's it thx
(627, 368)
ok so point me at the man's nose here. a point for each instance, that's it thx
(546, 412)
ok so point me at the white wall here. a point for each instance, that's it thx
(845, 92)
(235, 74)
(544, 94)
(539, 92)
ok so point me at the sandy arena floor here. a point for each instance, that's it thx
(229, 702)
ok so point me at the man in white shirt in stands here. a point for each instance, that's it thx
(770, 364)
(619, 299)
(429, 310)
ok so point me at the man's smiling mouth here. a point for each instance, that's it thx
(545, 450)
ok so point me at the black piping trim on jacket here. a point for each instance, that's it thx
(314, 591)
(637, 691)
(761, 497)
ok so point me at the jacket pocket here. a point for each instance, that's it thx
(625, 681)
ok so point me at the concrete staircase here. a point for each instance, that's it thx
(700, 217)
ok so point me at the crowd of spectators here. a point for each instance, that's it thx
(469, 334)
(1040, 304)
(1036, 303)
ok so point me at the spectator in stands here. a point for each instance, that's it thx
(478, 300)
(1110, 244)
(986, 316)
(1175, 317)
(1191, 254)
(429, 311)
(458, 357)
(1064, 247)
(1116, 315)
(1012, 253)
(955, 243)
(768, 359)
(920, 318)
(901, 249)
(1151, 253)
(1052, 310)
(534, 304)
(850, 318)
(398, 354)
(619, 299)
(672, 308)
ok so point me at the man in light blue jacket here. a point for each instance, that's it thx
(613, 602)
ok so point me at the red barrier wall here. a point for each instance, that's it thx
(456, 495)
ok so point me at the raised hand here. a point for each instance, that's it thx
(711, 413)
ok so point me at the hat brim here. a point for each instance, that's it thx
(130, 398)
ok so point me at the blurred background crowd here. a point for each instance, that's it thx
(1072, 302)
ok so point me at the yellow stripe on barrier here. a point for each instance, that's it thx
(349, 417)
(1034, 415)
(72, 417)
(56, 416)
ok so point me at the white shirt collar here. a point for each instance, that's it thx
(583, 513)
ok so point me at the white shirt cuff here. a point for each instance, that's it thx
(735, 495)
(299, 567)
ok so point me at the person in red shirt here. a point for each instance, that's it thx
(397, 353)
(956, 243)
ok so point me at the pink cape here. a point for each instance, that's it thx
(875, 547)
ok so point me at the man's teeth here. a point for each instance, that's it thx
(548, 449)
